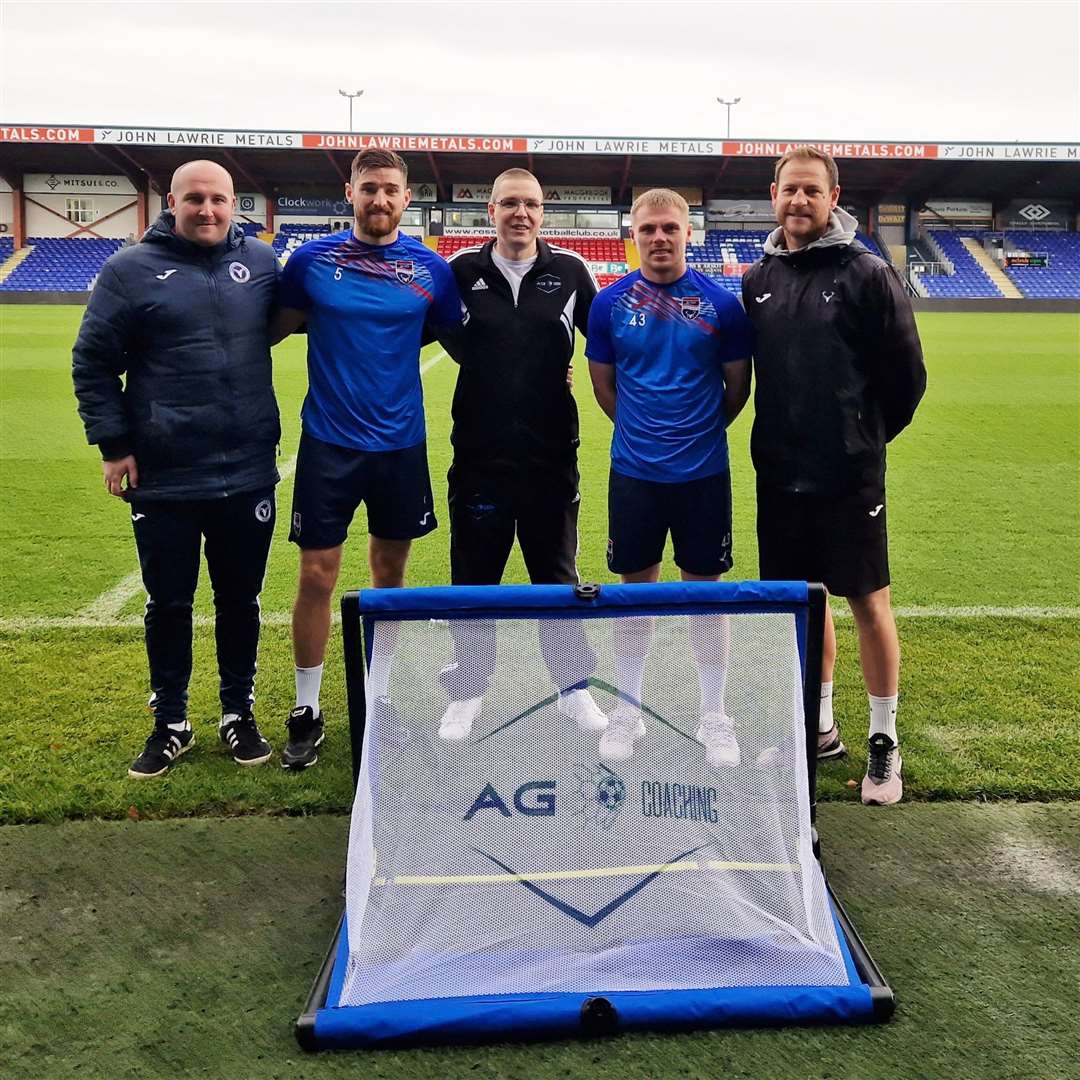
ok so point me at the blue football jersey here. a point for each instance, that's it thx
(367, 306)
(669, 344)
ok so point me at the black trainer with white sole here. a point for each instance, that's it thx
(162, 748)
(305, 737)
(242, 737)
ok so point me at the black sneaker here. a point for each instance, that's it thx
(305, 738)
(162, 748)
(829, 744)
(242, 737)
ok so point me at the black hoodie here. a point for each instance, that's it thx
(838, 367)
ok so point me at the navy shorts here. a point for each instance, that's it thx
(697, 513)
(332, 481)
(839, 540)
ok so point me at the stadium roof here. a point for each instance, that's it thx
(296, 162)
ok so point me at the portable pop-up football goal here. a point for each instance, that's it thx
(515, 883)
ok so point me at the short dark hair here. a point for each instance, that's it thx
(809, 153)
(376, 158)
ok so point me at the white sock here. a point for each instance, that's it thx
(182, 726)
(382, 660)
(308, 683)
(710, 641)
(632, 638)
(711, 679)
(825, 716)
(883, 716)
(378, 679)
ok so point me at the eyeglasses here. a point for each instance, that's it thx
(532, 205)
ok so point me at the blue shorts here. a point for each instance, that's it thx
(697, 513)
(332, 481)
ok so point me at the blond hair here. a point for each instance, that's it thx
(661, 199)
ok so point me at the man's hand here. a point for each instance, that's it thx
(114, 473)
(570, 377)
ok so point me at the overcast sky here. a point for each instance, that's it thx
(876, 71)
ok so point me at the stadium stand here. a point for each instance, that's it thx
(1058, 281)
(964, 279)
(293, 234)
(605, 255)
(592, 249)
(60, 265)
(7, 248)
(724, 252)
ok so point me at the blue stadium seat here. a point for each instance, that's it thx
(61, 265)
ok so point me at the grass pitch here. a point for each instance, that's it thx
(186, 947)
(165, 949)
(983, 513)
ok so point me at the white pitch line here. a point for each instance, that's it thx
(104, 610)
(284, 618)
(975, 611)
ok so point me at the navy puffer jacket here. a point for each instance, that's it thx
(188, 328)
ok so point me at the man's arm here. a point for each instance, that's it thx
(286, 321)
(603, 384)
(900, 374)
(736, 388)
(98, 360)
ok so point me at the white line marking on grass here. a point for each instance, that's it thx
(284, 618)
(974, 612)
(103, 610)
(78, 622)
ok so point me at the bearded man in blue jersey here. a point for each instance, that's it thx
(368, 296)
(669, 356)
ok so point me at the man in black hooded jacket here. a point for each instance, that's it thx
(839, 372)
(188, 439)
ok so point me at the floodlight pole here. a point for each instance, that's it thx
(354, 94)
(727, 104)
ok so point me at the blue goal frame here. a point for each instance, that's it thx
(326, 1025)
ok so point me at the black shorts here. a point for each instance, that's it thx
(487, 509)
(839, 540)
(697, 513)
(332, 481)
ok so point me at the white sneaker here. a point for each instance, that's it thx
(579, 706)
(717, 734)
(625, 727)
(458, 719)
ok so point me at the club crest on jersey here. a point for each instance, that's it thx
(690, 306)
(405, 271)
(548, 283)
(239, 273)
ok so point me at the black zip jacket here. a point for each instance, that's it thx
(838, 368)
(512, 408)
(188, 327)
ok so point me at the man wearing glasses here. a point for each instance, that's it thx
(515, 435)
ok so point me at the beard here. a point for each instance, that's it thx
(376, 224)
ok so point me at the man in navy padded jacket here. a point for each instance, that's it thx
(172, 374)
